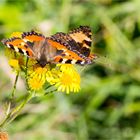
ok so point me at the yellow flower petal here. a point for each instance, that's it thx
(68, 82)
(52, 76)
(37, 78)
(67, 67)
(35, 83)
(14, 63)
(16, 34)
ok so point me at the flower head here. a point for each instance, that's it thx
(64, 77)
(37, 78)
(16, 34)
(52, 76)
(35, 83)
(14, 63)
(69, 79)
(67, 68)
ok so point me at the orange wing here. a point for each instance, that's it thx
(83, 37)
(64, 55)
(18, 45)
(74, 46)
(32, 36)
(25, 43)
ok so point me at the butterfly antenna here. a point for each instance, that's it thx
(83, 68)
(104, 61)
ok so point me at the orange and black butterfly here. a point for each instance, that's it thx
(72, 48)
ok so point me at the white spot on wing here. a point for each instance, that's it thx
(25, 40)
(16, 49)
(83, 62)
(73, 61)
(22, 43)
(64, 60)
(8, 46)
(24, 52)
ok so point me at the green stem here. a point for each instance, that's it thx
(46, 93)
(14, 113)
(15, 84)
(11, 115)
(18, 109)
(12, 96)
(4, 121)
(26, 73)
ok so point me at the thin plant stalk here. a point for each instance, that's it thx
(15, 84)
(14, 113)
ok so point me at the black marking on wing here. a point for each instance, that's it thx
(61, 38)
(59, 52)
(11, 46)
(85, 51)
(85, 29)
(61, 59)
(68, 61)
(87, 42)
(67, 41)
(32, 33)
(27, 53)
(74, 45)
(30, 43)
(4, 41)
(20, 50)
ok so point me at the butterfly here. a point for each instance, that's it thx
(73, 47)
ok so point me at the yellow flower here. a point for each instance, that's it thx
(37, 78)
(32, 63)
(14, 63)
(35, 83)
(64, 77)
(38, 72)
(16, 34)
(9, 53)
(68, 82)
(53, 76)
(67, 67)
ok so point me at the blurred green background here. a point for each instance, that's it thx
(108, 105)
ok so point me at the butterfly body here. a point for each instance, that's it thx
(72, 47)
(43, 52)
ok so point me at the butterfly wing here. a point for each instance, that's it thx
(67, 49)
(18, 45)
(32, 37)
(83, 37)
(26, 44)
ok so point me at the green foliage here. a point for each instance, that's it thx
(108, 106)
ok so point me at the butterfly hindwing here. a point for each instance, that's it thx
(66, 52)
(83, 37)
(64, 55)
(68, 60)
